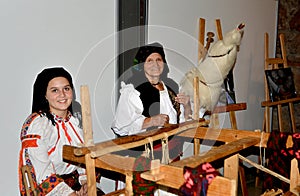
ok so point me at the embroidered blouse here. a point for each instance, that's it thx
(42, 145)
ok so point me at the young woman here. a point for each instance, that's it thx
(50, 126)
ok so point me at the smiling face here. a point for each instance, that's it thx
(59, 94)
(153, 67)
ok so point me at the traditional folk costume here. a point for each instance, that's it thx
(43, 136)
(139, 99)
(42, 145)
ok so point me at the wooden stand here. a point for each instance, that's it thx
(218, 109)
(273, 63)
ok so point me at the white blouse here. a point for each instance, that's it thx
(128, 117)
(47, 157)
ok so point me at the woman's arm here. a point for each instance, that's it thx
(128, 118)
(185, 101)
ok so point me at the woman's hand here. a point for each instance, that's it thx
(157, 120)
(82, 192)
(183, 99)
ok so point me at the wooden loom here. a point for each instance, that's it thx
(234, 141)
(99, 155)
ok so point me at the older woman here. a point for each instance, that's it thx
(150, 99)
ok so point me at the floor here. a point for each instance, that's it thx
(252, 189)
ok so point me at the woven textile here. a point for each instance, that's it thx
(280, 158)
(197, 179)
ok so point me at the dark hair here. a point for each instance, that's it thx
(39, 102)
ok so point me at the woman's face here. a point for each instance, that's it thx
(154, 65)
(59, 95)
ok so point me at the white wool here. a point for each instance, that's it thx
(213, 69)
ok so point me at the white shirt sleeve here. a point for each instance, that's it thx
(128, 118)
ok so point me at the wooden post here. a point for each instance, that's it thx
(292, 111)
(219, 29)
(201, 50)
(233, 119)
(88, 139)
(196, 113)
(231, 167)
(128, 181)
(294, 175)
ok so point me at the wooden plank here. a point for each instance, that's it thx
(295, 178)
(279, 114)
(283, 50)
(233, 119)
(201, 31)
(91, 175)
(88, 139)
(196, 112)
(292, 116)
(172, 171)
(128, 142)
(274, 61)
(201, 50)
(196, 98)
(231, 166)
(219, 29)
(281, 102)
(225, 135)
(86, 115)
(221, 186)
(230, 107)
(112, 162)
(217, 152)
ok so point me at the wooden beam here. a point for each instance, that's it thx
(217, 152)
(174, 171)
(196, 112)
(88, 139)
(281, 102)
(230, 107)
(225, 135)
(219, 29)
(86, 115)
(231, 167)
(131, 141)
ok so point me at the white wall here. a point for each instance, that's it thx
(174, 23)
(80, 36)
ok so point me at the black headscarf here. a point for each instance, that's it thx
(141, 83)
(144, 52)
(39, 101)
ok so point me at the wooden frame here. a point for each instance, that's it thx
(99, 155)
(270, 64)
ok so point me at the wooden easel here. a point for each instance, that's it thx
(270, 64)
(201, 52)
(218, 109)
